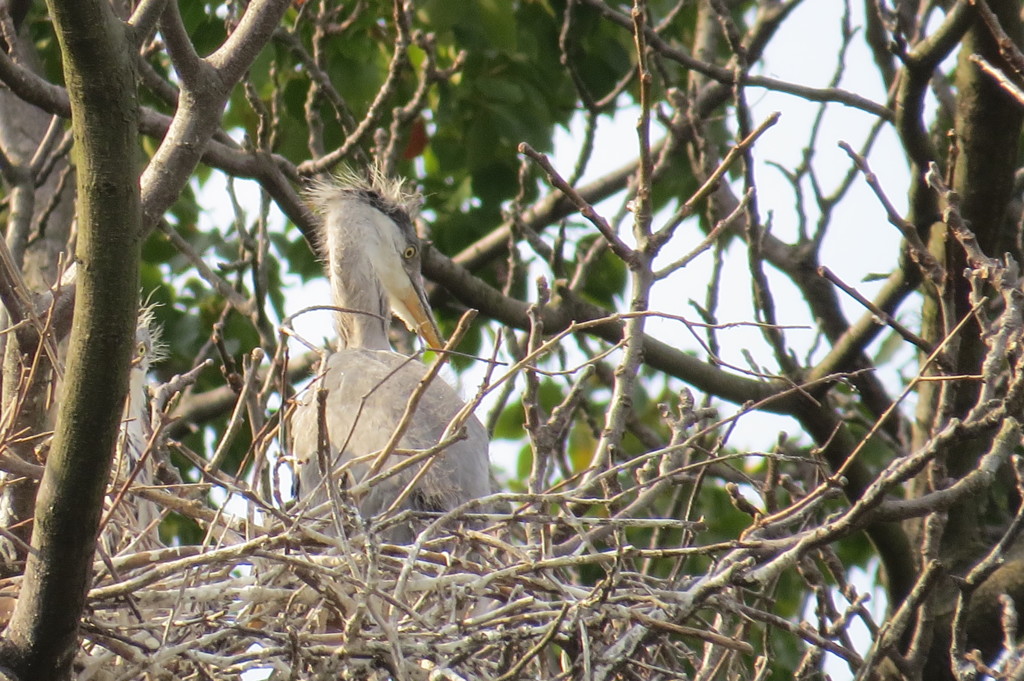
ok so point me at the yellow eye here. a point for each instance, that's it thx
(141, 349)
(409, 253)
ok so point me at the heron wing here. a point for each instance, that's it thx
(367, 394)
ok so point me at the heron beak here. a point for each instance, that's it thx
(417, 315)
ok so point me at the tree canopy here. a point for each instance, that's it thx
(749, 361)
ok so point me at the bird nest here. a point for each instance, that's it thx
(520, 594)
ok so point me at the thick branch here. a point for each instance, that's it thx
(41, 639)
(203, 96)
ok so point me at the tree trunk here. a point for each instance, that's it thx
(41, 639)
(37, 237)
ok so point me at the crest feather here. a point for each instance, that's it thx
(390, 195)
(149, 332)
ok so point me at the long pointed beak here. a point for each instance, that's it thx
(412, 307)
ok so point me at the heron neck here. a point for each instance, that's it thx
(135, 412)
(362, 321)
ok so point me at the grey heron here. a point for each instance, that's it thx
(133, 522)
(372, 258)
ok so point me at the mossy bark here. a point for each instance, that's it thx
(99, 70)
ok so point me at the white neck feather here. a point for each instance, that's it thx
(355, 286)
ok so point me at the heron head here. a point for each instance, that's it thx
(372, 248)
(149, 346)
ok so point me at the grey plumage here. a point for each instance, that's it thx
(133, 524)
(372, 258)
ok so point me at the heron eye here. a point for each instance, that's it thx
(141, 349)
(409, 253)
